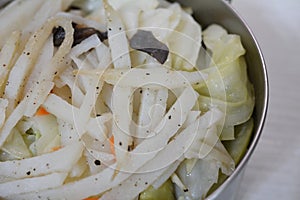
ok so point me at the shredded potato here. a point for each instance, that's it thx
(106, 100)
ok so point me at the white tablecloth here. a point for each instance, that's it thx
(274, 170)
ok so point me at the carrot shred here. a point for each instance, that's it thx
(56, 148)
(112, 144)
(42, 111)
(91, 198)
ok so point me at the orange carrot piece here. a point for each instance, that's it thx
(112, 144)
(42, 111)
(91, 198)
(56, 148)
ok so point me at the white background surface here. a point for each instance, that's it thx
(274, 169)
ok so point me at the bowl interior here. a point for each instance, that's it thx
(207, 12)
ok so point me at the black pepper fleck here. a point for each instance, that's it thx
(170, 117)
(97, 162)
(28, 173)
(186, 190)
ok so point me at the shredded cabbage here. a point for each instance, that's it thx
(85, 113)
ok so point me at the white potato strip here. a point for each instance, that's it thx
(105, 159)
(83, 63)
(31, 184)
(68, 79)
(3, 106)
(16, 16)
(87, 44)
(82, 81)
(137, 183)
(7, 55)
(80, 20)
(26, 61)
(121, 99)
(167, 128)
(155, 168)
(117, 38)
(138, 77)
(37, 97)
(148, 100)
(47, 10)
(103, 181)
(92, 86)
(61, 160)
(60, 108)
(96, 128)
(43, 61)
(65, 111)
(67, 132)
(87, 106)
(152, 109)
(160, 107)
(58, 62)
(99, 155)
(92, 58)
(104, 57)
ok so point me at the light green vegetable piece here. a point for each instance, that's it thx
(236, 148)
(164, 192)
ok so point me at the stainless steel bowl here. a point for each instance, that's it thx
(220, 12)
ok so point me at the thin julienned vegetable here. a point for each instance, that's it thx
(118, 99)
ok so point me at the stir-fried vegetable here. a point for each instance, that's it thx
(116, 99)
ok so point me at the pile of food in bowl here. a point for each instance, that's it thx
(118, 99)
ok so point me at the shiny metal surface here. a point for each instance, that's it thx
(216, 11)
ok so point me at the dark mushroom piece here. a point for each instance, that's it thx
(80, 34)
(146, 42)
